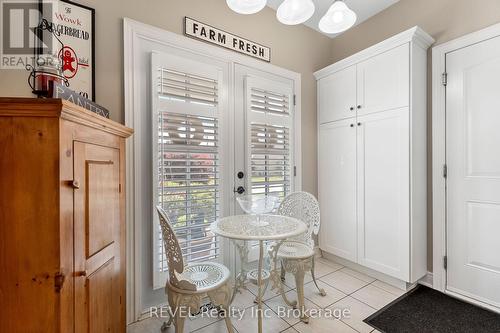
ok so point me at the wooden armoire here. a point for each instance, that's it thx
(62, 218)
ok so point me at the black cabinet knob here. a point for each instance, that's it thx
(352, 125)
(240, 174)
(352, 108)
(359, 106)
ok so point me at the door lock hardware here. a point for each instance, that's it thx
(240, 190)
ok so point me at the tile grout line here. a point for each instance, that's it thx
(371, 277)
(387, 291)
(361, 300)
(318, 277)
(367, 283)
(202, 327)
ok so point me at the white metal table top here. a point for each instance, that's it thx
(258, 227)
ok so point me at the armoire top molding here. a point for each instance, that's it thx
(415, 35)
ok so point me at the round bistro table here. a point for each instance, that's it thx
(259, 228)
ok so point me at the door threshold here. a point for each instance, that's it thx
(472, 300)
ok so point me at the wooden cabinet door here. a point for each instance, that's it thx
(337, 188)
(337, 95)
(383, 192)
(98, 295)
(384, 81)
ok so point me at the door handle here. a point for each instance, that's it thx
(240, 190)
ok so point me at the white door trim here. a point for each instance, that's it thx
(439, 147)
(132, 32)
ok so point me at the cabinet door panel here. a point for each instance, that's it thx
(383, 192)
(337, 188)
(337, 95)
(97, 239)
(383, 81)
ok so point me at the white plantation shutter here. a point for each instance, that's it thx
(270, 159)
(269, 102)
(186, 156)
(270, 119)
(186, 87)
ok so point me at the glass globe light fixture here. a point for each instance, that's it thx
(246, 6)
(337, 19)
(293, 12)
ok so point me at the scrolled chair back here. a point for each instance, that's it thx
(173, 251)
(305, 207)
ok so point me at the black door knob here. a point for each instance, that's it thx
(240, 175)
(240, 190)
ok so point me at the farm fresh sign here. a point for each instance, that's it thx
(207, 33)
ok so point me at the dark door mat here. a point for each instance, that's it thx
(425, 310)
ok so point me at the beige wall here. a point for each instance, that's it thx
(297, 48)
(443, 19)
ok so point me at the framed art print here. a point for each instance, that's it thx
(76, 26)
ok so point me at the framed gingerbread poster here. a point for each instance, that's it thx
(75, 24)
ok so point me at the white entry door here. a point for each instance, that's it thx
(473, 159)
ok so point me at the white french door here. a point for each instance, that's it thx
(264, 135)
(193, 147)
(473, 183)
(189, 147)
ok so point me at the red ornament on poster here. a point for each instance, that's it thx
(69, 61)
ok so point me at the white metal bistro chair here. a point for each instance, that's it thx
(297, 254)
(189, 284)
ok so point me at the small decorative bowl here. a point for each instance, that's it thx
(258, 203)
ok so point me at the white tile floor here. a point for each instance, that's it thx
(345, 288)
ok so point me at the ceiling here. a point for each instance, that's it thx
(363, 8)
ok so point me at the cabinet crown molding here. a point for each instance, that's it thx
(413, 35)
(59, 108)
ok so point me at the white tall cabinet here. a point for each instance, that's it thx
(372, 156)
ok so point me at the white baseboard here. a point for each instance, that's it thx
(427, 280)
(400, 284)
(146, 313)
(317, 252)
